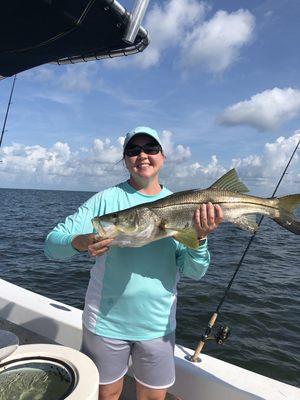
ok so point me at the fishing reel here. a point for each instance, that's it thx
(220, 336)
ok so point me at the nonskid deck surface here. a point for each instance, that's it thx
(25, 335)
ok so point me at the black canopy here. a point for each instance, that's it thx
(35, 32)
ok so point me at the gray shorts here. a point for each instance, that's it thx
(152, 360)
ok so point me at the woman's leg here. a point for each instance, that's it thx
(144, 393)
(111, 391)
(154, 367)
(111, 358)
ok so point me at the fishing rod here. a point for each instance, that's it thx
(224, 331)
(7, 109)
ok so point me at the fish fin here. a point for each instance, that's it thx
(230, 181)
(247, 222)
(287, 219)
(188, 237)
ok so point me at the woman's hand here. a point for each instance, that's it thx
(92, 243)
(207, 218)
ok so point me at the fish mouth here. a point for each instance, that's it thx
(108, 229)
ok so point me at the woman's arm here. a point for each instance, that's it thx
(193, 263)
(58, 244)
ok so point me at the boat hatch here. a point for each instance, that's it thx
(36, 378)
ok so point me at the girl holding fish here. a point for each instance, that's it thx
(130, 304)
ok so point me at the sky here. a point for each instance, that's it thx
(219, 81)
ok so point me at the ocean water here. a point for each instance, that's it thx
(262, 308)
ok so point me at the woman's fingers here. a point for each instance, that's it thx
(207, 218)
(219, 214)
(92, 243)
(210, 209)
(203, 216)
(197, 217)
(99, 246)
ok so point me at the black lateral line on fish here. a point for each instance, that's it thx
(217, 202)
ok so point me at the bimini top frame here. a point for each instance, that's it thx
(35, 32)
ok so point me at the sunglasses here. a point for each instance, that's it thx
(149, 148)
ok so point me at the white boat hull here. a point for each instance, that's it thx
(207, 380)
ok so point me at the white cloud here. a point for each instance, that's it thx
(103, 152)
(168, 24)
(260, 172)
(40, 74)
(79, 77)
(267, 168)
(58, 161)
(216, 43)
(174, 154)
(59, 166)
(265, 110)
(96, 166)
(65, 99)
(180, 25)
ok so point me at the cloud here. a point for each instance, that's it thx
(264, 111)
(65, 99)
(260, 172)
(266, 169)
(174, 154)
(102, 151)
(37, 160)
(40, 74)
(97, 166)
(181, 25)
(71, 78)
(216, 43)
(79, 78)
(167, 25)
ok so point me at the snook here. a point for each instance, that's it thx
(173, 215)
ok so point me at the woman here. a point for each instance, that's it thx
(131, 298)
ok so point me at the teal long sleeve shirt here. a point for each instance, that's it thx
(132, 291)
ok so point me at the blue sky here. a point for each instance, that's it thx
(219, 81)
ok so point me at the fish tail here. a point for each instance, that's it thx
(287, 219)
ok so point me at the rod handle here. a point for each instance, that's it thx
(201, 344)
(212, 320)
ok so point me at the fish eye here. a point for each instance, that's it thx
(114, 215)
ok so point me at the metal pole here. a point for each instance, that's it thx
(135, 20)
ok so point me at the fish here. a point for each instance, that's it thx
(172, 216)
